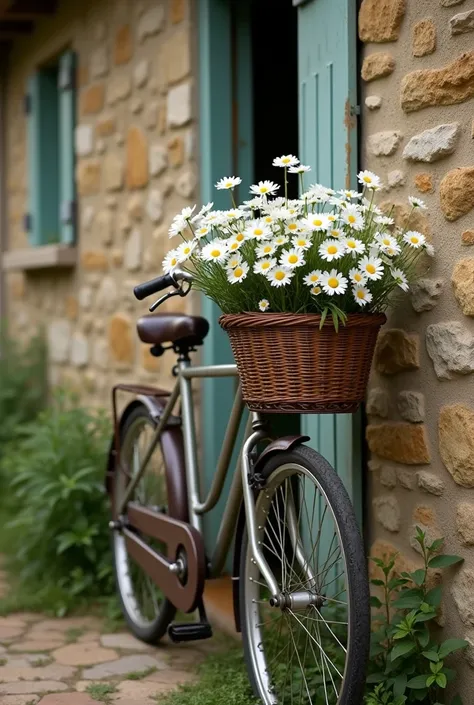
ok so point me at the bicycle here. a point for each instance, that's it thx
(301, 596)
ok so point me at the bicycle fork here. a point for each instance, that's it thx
(297, 600)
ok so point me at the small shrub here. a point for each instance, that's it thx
(58, 540)
(22, 384)
(407, 663)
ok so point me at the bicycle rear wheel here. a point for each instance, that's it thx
(147, 612)
(311, 647)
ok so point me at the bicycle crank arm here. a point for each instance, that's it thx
(181, 574)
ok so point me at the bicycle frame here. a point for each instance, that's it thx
(240, 487)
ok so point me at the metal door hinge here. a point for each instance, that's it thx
(355, 109)
(27, 104)
(27, 222)
(68, 212)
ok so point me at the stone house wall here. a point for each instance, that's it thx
(418, 130)
(135, 148)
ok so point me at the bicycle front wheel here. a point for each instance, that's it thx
(311, 645)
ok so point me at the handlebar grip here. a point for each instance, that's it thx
(153, 286)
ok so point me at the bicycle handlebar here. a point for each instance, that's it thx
(153, 286)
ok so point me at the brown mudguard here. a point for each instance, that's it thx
(181, 540)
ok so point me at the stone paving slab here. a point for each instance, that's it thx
(123, 640)
(122, 666)
(19, 687)
(52, 672)
(38, 645)
(88, 654)
(20, 699)
(67, 699)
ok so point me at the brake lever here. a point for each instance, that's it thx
(182, 291)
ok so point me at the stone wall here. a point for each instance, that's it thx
(417, 116)
(135, 143)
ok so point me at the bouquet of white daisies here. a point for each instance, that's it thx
(326, 252)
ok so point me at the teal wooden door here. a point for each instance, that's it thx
(327, 65)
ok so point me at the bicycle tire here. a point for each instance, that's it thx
(150, 633)
(358, 628)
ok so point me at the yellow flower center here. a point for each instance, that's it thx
(333, 282)
(238, 271)
(293, 259)
(317, 222)
(358, 277)
(316, 290)
(174, 261)
(386, 241)
(351, 243)
(367, 179)
(228, 184)
(263, 189)
(265, 265)
(370, 268)
(215, 253)
(292, 226)
(240, 237)
(268, 219)
(360, 295)
(267, 249)
(351, 219)
(257, 232)
(301, 243)
(335, 233)
(314, 278)
(202, 231)
(414, 240)
(332, 249)
(285, 160)
(280, 275)
(234, 245)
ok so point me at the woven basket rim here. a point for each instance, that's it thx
(256, 319)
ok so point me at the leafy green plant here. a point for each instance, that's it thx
(58, 540)
(22, 384)
(408, 665)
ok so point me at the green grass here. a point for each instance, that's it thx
(101, 691)
(42, 661)
(139, 675)
(73, 634)
(222, 679)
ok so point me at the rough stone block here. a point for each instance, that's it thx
(151, 22)
(451, 347)
(433, 144)
(179, 108)
(377, 65)
(84, 140)
(424, 183)
(465, 523)
(461, 23)
(452, 84)
(177, 56)
(463, 595)
(387, 512)
(396, 351)
(380, 20)
(424, 37)
(94, 260)
(378, 402)
(123, 48)
(463, 284)
(467, 238)
(424, 515)
(134, 251)
(456, 442)
(88, 176)
(384, 144)
(122, 352)
(137, 159)
(399, 442)
(425, 293)
(457, 192)
(373, 102)
(92, 99)
(105, 127)
(430, 483)
(411, 406)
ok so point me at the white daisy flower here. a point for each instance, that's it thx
(228, 182)
(414, 239)
(301, 241)
(372, 267)
(353, 245)
(215, 251)
(264, 305)
(313, 277)
(286, 160)
(429, 249)
(279, 240)
(400, 278)
(352, 217)
(236, 275)
(262, 266)
(177, 227)
(357, 277)
(300, 169)
(316, 222)
(348, 194)
(264, 188)
(362, 295)
(417, 203)
(282, 213)
(204, 211)
(266, 249)
(292, 227)
(338, 202)
(233, 245)
(268, 219)
(333, 282)
(239, 237)
(253, 204)
(383, 220)
(233, 214)
(257, 230)
(292, 258)
(316, 290)
(388, 244)
(185, 250)
(170, 261)
(187, 212)
(332, 217)
(335, 232)
(213, 218)
(331, 249)
(369, 180)
(234, 260)
(280, 276)
(202, 231)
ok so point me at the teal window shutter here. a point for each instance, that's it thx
(42, 219)
(67, 122)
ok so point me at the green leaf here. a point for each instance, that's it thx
(424, 637)
(417, 682)
(378, 583)
(375, 602)
(400, 684)
(375, 678)
(402, 649)
(457, 700)
(441, 680)
(418, 576)
(436, 545)
(444, 561)
(431, 656)
(430, 680)
(408, 603)
(324, 315)
(433, 597)
(450, 645)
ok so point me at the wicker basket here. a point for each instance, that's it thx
(287, 364)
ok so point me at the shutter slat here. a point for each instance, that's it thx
(67, 120)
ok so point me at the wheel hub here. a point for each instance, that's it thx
(297, 601)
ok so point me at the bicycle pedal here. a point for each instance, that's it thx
(194, 631)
